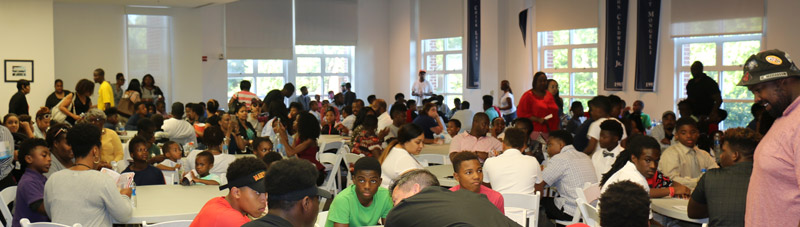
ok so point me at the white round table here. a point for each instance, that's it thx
(160, 203)
(674, 208)
(443, 149)
(442, 172)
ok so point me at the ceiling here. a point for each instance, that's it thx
(169, 3)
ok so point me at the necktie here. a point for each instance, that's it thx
(694, 165)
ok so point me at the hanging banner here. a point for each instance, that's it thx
(648, 14)
(474, 44)
(616, 31)
(523, 25)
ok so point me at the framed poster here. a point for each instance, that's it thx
(16, 70)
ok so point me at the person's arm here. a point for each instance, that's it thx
(166, 168)
(118, 201)
(698, 204)
(65, 105)
(591, 146)
(38, 206)
(293, 150)
(508, 105)
(439, 126)
(678, 190)
(26, 129)
(197, 179)
(336, 224)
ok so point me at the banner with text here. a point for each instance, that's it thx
(648, 14)
(616, 31)
(474, 44)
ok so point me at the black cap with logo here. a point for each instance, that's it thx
(768, 66)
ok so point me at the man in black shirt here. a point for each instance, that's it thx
(703, 92)
(278, 95)
(18, 103)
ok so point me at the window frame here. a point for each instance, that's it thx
(255, 75)
(448, 96)
(164, 76)
(322, 74)
(569, 96)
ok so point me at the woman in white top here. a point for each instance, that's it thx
(507, 107)
(398, 157)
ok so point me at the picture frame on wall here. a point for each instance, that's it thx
(16, 70)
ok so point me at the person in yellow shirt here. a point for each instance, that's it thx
(105, 95)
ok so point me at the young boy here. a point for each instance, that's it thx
(314, 105)
(498, 126)
(610, 135)
(398, 114)
(246, 196)
(684, 162)
(512, 172)
(35, 160)
(203, 164)
(469, 174)
(263, 146)
(364, 202)
(145, 174)
(172, 151)
(566, 169)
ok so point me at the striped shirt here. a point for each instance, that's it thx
(566, 171)
(245, 97)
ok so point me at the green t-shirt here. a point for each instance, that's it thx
(346, 209)
(646, 120)
(210, 176)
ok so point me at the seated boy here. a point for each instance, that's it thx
(172, 151)
(144, 173)
(263, 146)
(566, 170)
(35, 160)
(684, 162)
(364, 202)
(246, 196)
(610, 135)
(726, 209)
(469, 174)
(398, 114)
(511, 171)
(203, 164)
(624, 204)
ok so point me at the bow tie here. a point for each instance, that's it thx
(608, 154)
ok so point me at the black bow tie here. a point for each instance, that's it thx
(608, 154)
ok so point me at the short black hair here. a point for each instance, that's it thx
(58, 81)
(26, 147)
(289, 87)
(686, 121)
(370, 121)
(398, 108)
(626, 204)
(120, 75)
(271, 157)
(299, 106)
(258, 140)
(208, 155)
(158, 121)
(136, 140)
(367, 163)
(612, 127)
(515, 138)
(198, 109)
(348, 110)
(111, 112)
(461, 157)
(615, 100)
(371, 98)
(286, 176)
(488, 100)
(165, 147)
(575, 105)
(411, 102)
(213, 136)
(23, 83)
(146, 125)
(399, 96)
(212, 106)
(562, 135)
(82, 138)
(244, 85)
(242, 167)
(601, 102)
(456, 122)
(177, 110)
(137, 104)
(464, 105)
(525, 122)
(742, 140)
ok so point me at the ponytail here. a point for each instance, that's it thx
(386, 152)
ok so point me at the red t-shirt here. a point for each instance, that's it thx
(218, 212)
(530, 105)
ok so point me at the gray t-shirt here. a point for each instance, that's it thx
(55, 166)
(87, 197)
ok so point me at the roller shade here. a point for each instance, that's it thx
(554, 15)
(441, 18)
(716, 17)
(259, 29)
(327, 22)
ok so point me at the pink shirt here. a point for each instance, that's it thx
(773, 196)
(466, 142)
(495, 197)
(245, 97)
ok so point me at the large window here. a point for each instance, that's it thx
(570, 57)
(442, 59)
(722, 57)
(149, 49)
(264, 75)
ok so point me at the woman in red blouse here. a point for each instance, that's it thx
(539, 105)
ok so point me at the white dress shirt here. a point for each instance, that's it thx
(603, 159)
(179, 131)
(512, 172)
(629, 173)
(384, 120)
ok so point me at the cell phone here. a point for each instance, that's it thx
(449, 177)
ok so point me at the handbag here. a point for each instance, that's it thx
(125, 107)
(59, 116)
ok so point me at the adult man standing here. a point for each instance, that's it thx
(349, 96)
(278, 95)
(243, 96)
(476, 140)
(105, 95)
(18, 103)
(303, 98)
(422, 88)
(703, 93)
(773, 190)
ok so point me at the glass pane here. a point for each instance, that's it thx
(240, 66)
(703, 52)
(336, 49)
(435, 62)
(563, 82)
(584, 102)
(729, 88)
(555, 59)
(454, 62)
(308, 65)
(735, 53)
(334, 83)
(270, 66)
(433, 45)
(455, 83)
(136, 19)
(685, 77)
(313, 83)
(585, 84)
(584, 58)
(555, 38)
(336, 65)
(437, 81)
(583, 36)
(453, 43)
(137, 38)
(308, 49)
(233, 84)
(714, 75)
(738, 114)
(266, 84)
(448, 99)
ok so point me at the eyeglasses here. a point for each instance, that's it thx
(64, 130)
(45, 116)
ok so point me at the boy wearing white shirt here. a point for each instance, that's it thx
(512, 172)
(599, 109)
(636, 164)
(566, 170)
(609, 147)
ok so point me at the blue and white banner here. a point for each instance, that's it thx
(648, 14)
(474, 44)
(616, 31)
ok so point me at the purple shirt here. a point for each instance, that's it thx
(773, 196)
(29, 190)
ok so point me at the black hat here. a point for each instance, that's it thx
(253, 181)
(768, 66)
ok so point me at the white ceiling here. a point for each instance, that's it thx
(169, 3)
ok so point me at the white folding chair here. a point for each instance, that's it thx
(518, 215)
(322, 217)
(178, 223)
(528, 202)
(27, 223)
(330, 182)
(349, 160)
(590, 193)
(591, 216)
(428, 159)
(7, 196)
(336, 145)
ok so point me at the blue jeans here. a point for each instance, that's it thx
(510, 117)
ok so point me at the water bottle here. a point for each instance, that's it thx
(120, 127)
(717, 146)
(225, 145)
(133, 194)
(441, 139)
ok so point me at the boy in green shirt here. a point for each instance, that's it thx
(364, 202)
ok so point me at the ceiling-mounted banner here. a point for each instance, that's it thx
(616, 31)
(523, 25)
(474, 44)
(648, 14)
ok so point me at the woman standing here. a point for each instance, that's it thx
(398, 157)
(78, 102)
(150, 92)
(552, 87)
(507, 108)
(539, 105)
(57, 95)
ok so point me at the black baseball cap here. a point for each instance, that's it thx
(766, 66)
(253, 181)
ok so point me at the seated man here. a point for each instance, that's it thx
(293, 194)
(364, 202)
(247, 196)
(419, 201)
(684, 162)
(610, 148)
(720, 194)
(624, 204)
(464, 115)
(469, 174)
(512, 172)
(476, 140)
(665, 132)
(566, 170)
(177, 129)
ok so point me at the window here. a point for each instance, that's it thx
(722, 58)
(570, 58)
(442, 59)
(149, 48)
(264, 75)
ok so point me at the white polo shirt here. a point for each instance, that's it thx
(512, 172)
(630, 173)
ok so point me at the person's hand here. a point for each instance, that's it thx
(194, 176)
(177, 167)
(714, 116)
(25, 125)
(77, 117)
(103, 164)
(666, 141)
(681, 191)
(383, 133)
(538, 120)
(126, 191)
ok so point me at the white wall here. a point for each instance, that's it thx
(372, 50)
(27, 27)
(215, 71)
